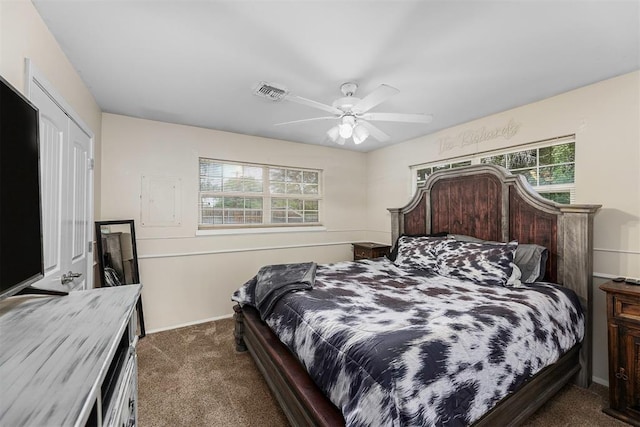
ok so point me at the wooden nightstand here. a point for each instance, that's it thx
(623, 322)
(368, 250)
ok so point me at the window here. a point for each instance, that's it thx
(549, 166)
(424, 171)
(245, 195)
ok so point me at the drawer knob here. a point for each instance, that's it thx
(621, 375)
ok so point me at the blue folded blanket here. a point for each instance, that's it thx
(273, 281)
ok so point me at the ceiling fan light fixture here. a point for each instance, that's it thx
(346, 127)
(345, 130)
(360, 133)
(334, 133)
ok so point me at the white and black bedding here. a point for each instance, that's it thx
(390, 347)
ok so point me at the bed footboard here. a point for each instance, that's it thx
(301, 400)
(238, 332)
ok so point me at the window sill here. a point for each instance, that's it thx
(260, 230)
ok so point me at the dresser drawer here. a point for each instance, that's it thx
(122, 409)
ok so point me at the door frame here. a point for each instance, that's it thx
(33, 76)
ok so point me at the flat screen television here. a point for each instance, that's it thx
(21, 252)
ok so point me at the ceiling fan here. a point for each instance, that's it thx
(353, 114)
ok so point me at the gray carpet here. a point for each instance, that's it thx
(193, 377)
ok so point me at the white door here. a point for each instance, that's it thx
(79, 204)
(65, 177)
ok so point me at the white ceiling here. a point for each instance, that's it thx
(197, 62)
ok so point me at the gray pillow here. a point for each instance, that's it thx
(532, 261)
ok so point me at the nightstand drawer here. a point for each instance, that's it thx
(362, 253)
(369, 250)
(626, 307)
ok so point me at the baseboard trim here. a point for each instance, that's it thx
(617, 251)
(195, 322)
(604, 275)
(600, 381)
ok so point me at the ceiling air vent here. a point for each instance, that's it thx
(270, 91)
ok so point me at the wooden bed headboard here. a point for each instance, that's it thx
(487, 202)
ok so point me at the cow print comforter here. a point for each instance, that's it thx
(391, 348)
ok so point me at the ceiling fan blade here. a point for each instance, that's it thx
(398, 117)
(381, 94)
(375, 132)
(306, 120)
(314, 104)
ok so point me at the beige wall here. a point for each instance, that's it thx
(605, 117)
(189, 278)
(23, 34)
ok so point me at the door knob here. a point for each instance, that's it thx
(68, 277)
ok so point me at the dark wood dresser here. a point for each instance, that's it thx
(623, 322)
(369, 250)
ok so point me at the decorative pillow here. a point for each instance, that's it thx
(417, 252)
(394, 251)
(483, 263)
(530, 258)
(532, 261)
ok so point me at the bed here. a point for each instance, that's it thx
(484, 202)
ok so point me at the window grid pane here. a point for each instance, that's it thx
(423, 173)
(522, 159)
(460, 164)
(293, 181)
(290, 210)
(563, 197)
(560, 174)
(499, 160)
(238, 194)
(557, 154)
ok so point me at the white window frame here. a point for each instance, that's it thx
(475, 159)
(266, 225)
